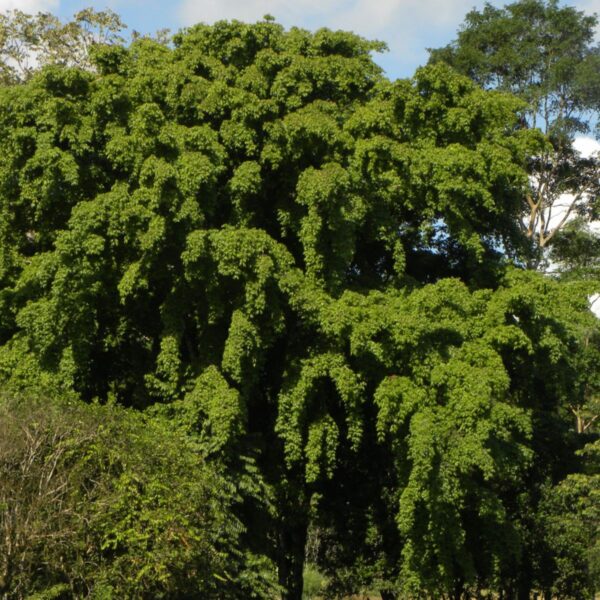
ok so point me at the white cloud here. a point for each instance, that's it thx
(411, 18)
(30, 6)
(595, 304)
(589, 6)
(363, 16)
(586, 145)
(408, 26)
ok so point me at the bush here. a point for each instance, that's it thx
(314, 582)
(103, 502)
(573, 522)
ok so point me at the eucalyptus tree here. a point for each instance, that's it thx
(256, 234)
(547, 55)
(28, 42)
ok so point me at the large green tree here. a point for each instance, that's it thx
(256, 234)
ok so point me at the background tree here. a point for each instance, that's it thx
(575, 254)
(545, 54)
(28, 42)
(573, 518)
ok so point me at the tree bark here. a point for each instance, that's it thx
(524, 591)
(458, 590)
(292, 542)
(525, 580)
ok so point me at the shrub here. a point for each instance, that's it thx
(314, 582)
(104, 502)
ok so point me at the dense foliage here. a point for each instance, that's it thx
(99, 502)
(254, 236)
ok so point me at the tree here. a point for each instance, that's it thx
(470, 425)
(28, 42)
(256, 235)
(545, 54)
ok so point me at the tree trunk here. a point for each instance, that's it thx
(580, 426)
(524, 591)
(458, 590)
(387, 595)
(292, 542)
(525, 583)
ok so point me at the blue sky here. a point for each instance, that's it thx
(407, 26)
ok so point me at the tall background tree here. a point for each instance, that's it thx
(547, 55)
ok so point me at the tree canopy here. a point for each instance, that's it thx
(256, 235)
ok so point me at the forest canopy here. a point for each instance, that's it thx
(310, 281)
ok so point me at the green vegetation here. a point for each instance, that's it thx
(102, 502)
(313, 583)
(286, 300)
(574, 517)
